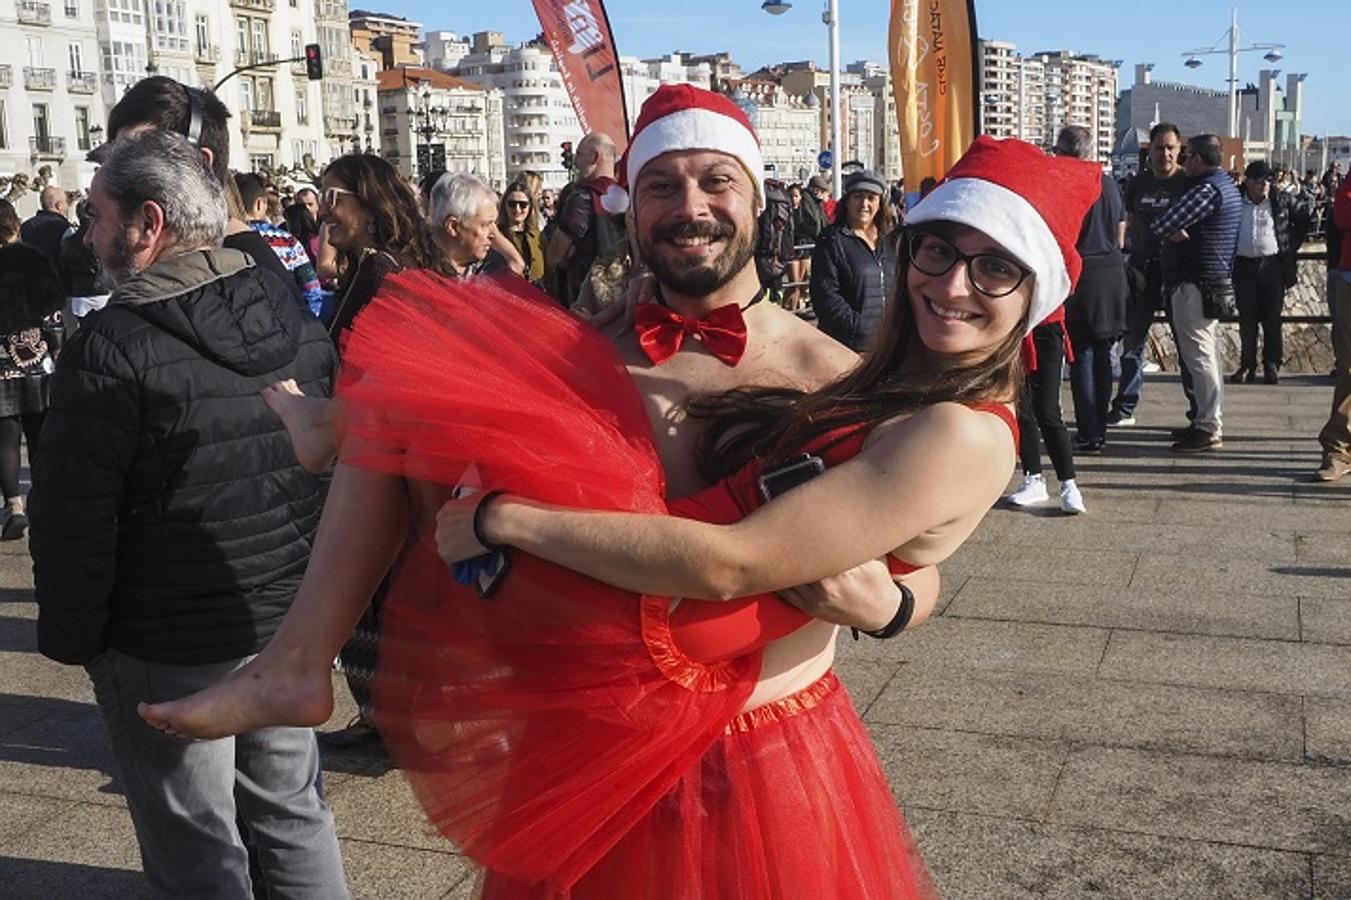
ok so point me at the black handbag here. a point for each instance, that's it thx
(1217, 298)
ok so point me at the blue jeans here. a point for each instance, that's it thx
(1091, 388)
(184, 795)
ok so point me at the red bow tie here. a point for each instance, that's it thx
(661, 331)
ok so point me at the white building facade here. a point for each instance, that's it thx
(1033, 97)
(431, 121)
(51, 109)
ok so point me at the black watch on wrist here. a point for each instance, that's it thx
(898, 621)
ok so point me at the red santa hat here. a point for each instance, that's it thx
(1031, 203)
(685, 117)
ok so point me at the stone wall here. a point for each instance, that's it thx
(1308, 347)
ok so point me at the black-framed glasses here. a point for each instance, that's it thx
(990, 273)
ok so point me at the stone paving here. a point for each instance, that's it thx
(1152, 700)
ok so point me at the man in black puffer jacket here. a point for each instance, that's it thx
(172, 523)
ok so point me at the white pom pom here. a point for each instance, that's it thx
(615, 200)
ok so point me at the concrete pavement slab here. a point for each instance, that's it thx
(385, 871)
(1327, 724)
(1072, 708)
(29, 674)
(87, 851)
(1119, 606)
(1091, 533)
(383, 810)
(965, 772)
(976, 857)
(1331, 878)
(1279, 513)
(1053, 563)
(63, 756)
(21, 813)
(1241, 575)
(1325, 621)
(1298, 808)
(1231, 663)
(865, 680)
(945, 643)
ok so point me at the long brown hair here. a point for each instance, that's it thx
(531, 215)
(776, 423)
(400, 228)
(882, 218)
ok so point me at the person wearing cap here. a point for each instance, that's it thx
(592, 741)
(1200, 234)
(1271, 228)
(854, 262)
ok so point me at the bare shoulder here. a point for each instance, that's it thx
(965, 436)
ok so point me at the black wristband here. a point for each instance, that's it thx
(898, 621)
(479, 536)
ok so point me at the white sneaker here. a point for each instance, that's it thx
(1032, 491)
(1071, 502)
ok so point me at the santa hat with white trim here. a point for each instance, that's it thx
(1033, 204)
(685, 117)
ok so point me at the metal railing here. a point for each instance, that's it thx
(33, 12)
(207, 53)
(264, 118)
(82, 82)
(47, 146)
(263, 5)
(38, 78)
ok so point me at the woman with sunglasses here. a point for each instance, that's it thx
(577, 732)
(518, 221)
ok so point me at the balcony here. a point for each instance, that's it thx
(256, 5)
(207, 54)
(32, 12)
(39, 79)
(265, 120)
(298, 68)
(334, 66)
(6, 76)
(82, 82)
(339, 124)
(47, 147)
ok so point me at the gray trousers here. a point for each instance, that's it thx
(1198, 347)
(184, 795)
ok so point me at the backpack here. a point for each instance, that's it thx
(774, 234)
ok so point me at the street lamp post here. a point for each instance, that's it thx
(831, 18)
(1234, 49)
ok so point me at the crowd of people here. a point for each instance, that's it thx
(366, 421)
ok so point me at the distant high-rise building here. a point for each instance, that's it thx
(1033, 97)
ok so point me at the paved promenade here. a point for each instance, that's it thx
(1152, 701)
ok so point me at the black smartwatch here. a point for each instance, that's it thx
(898, 621)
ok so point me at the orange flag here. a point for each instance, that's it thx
(933, 74)
(578, 32)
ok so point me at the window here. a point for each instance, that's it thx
(246, 92)
(302, 108)
(4, 130)
(297, 45)
(82, 127)
(76, 54)
(263, 94)
(260, 39)
(35, 52)
(124, 61)
(242, 36)
(203, 30)
(171, 24)
(41, 124)
(72, 9)
(125, 11)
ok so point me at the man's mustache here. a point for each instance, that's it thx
(711, 230)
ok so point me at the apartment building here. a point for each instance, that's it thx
(391, 40)
(51, 109)
(787, 126)
(431, 121)
(1033, 97)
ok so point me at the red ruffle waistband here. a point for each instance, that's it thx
(785, 707)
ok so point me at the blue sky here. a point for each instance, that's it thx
(1156, 31)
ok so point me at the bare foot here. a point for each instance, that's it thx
(258, 695)
(308, 421)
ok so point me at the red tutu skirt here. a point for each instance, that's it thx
(556, 733)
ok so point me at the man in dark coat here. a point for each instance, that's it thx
(171, 522)
(1272, 225)
(51, 223)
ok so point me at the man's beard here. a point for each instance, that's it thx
(696, 278)
(119, 266)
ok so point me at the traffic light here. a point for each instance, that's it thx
(567, 155)
(314, 62)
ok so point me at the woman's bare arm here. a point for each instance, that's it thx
(942, 464)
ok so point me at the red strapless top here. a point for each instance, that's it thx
(710, 632)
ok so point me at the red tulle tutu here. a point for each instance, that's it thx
(557, 733)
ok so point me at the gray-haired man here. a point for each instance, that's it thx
(172, 523)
